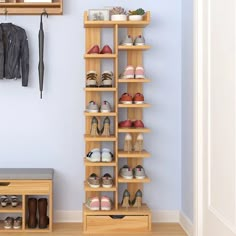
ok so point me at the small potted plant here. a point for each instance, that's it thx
(118, 14)
(136, 15)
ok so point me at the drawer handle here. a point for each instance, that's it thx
(3, 184)
(117, 217)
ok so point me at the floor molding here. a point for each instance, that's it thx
(186, 224)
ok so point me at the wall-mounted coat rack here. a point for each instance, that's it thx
(19, 7)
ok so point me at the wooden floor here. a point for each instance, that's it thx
(75, 229)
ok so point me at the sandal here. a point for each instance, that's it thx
(4, 201)
(14, 201)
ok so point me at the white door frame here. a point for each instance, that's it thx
(198, 116)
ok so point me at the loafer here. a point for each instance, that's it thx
(106, 50)
(126, 98)
(138, 124)
(125, 124)
(94, 50)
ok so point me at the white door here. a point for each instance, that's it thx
(216, 99)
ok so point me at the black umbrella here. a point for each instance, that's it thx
(41, 49)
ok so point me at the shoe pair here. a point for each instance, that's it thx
(131, 124)
(94, 203)
(105, 131)
(128, 41)
(137, 201)
(93, 107)
(138, 146)
(127, 173)
(95, 155)
(95, 182)
(133, 73)
(5, 200)
(91, 79)
(96, 50)
(11, 223)
(126, 98)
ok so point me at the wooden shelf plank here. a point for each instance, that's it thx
(134, 130)
(100, 89)
(10, 209)
(100, 114)
(100, 56)
(134, 181)
(145, 105)
(100, 164)
(100, 138)
(130, 48)
(87, 188)
(134, 80)
(143, 154)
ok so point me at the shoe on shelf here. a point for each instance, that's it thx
(32, 212)
(94, 131)
(139, 72)
(4, 200)
(128, 143)
(127, 41)
(107, 181)
(126, 199)
(105, 107)
(42, 213)
(126, 98)
(8, 223)
(138, 98)
(125, 124)
(106, 50)
(139, 172)
(138, 124)
(94, 181)
(128, 73)
(94, 50)
(105, 203)
(139, 41)
(126, 172)
(138, 146)
(92, 107)
(14, 201)
(107, 79)
(93, 204)
(137, 202)
(107, 155)
(94, 155)
(91, 79)
(17, 224)
(105, 131)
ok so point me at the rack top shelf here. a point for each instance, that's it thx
(121, 24)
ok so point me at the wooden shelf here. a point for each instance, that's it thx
(87, 188)
(133, 181)
(36, 230)
(100, 114)
(100, 89)
(100, 164)
(123, 154)
(133, 48)
(145, 105)
(10, 209)
(134, 80)
(100, 138)
(100, 56)
(2, 230)
(134, 130)
(21, 8)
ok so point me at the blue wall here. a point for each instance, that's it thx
(49, 132)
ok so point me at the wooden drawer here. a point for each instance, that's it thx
(117, 224)
(24, 187)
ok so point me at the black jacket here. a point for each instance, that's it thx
(14, 53)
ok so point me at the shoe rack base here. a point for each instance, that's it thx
(123, 220)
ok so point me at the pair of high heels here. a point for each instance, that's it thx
(105, 131)
(137, 201)
(138, 146)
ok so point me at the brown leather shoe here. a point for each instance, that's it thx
(42, 208)
(106, 50)
(32, 207)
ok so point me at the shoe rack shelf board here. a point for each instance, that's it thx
(19, 7)
(132, 219)
(25, 183)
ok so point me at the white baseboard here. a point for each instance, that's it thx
(186, 224)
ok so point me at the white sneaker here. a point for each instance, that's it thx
(94, 155)
(107, 155)
(105, 107)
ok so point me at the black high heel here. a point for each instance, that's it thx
(137, 202)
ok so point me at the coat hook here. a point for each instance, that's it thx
(5, 12)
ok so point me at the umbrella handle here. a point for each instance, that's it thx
(44, 13)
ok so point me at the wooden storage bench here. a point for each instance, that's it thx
(26, 183)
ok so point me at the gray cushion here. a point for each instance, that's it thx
(27, 174)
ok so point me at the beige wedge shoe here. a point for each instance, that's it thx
(138, 146)
(137, 202)
(94, 127)
(126, 199)
(105, 131)
(128, 143)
